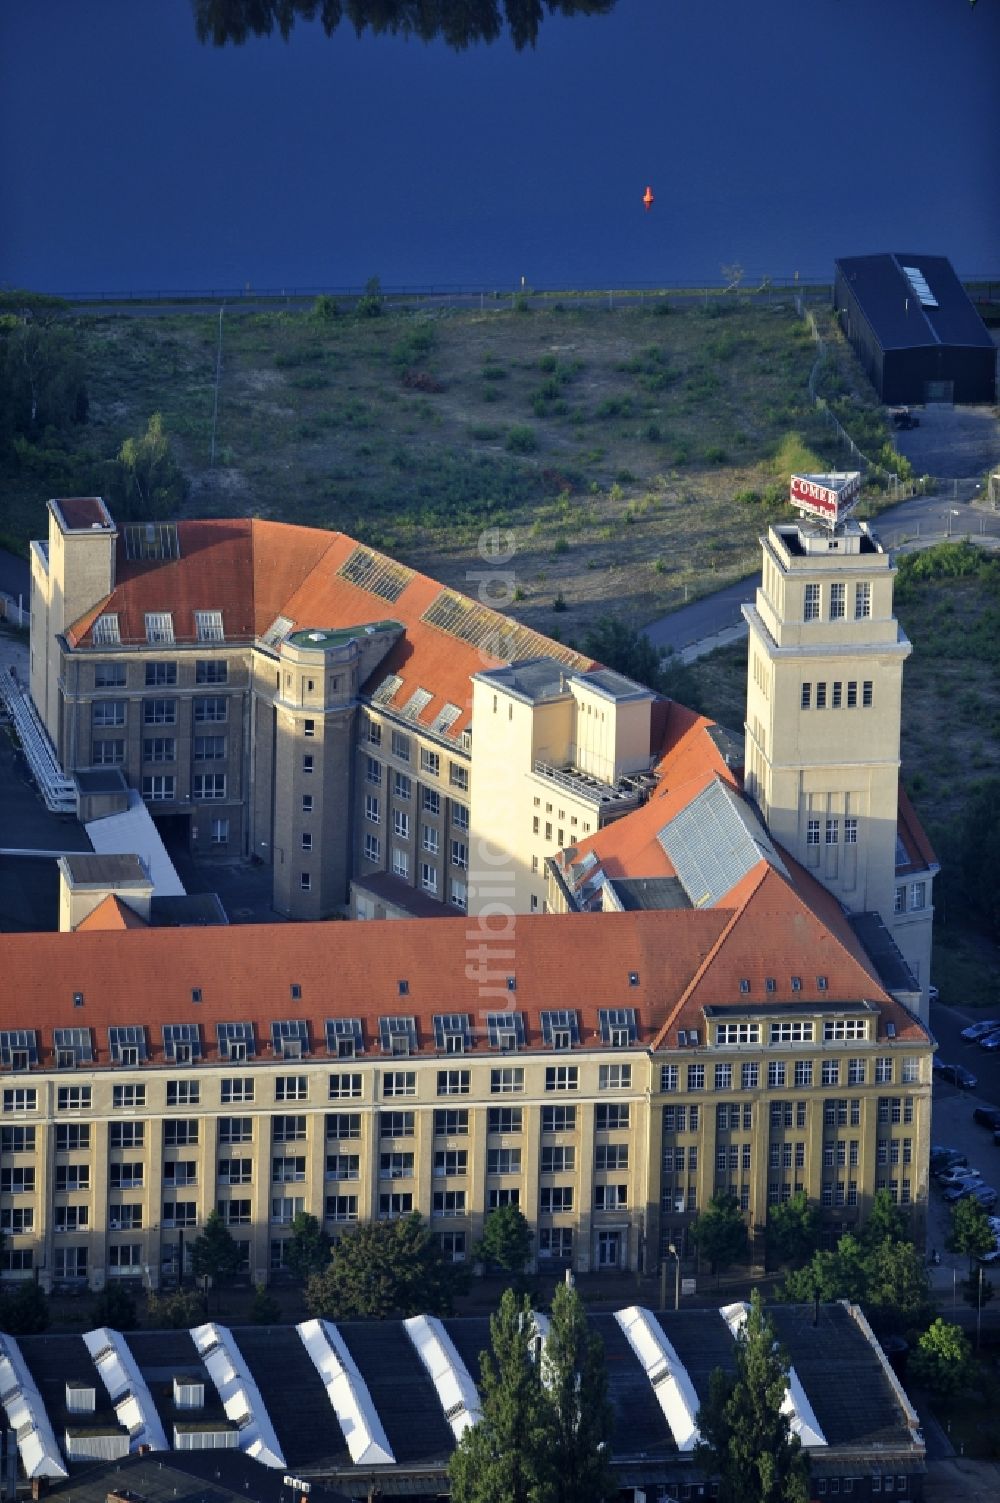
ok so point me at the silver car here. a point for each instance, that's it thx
(979, 1030)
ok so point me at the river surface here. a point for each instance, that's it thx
(775, 135)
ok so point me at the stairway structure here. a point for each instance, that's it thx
(57, 790)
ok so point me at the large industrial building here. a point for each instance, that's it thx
(914, 328)
(622, 973)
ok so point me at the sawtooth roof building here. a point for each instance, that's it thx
(355, 1406)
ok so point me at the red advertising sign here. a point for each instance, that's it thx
(829, 497)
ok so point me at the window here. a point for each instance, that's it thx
(179, 1132)
(803, 1072)
(182, 1092)
(342, 1086)
(107, 712)
(507, 1080)
(237, 1088)
(343, 1125)
(449, 1162)
(830, 1072)
(614, 1078)
(811, 612)
(555, 1243)
(396, 1125)
(453, 1082)
(562, 1077)
(343, 1166)
(209, 748)
(776, 1074)
(158, 788)
(806, 696)
(812, 832)
(457, 894)
(18, 1181)
(856, 1072)
(791, 1033)
(400, 863)
(290, 1129)
(555, 1200)
(723, 1077)
(428, 878)
(821, 696)
(308, 763)
(555, 1160)
(235, 1129)
(610, 1156)
(883, 1070)
(452, 1246)
(838, 694)
(837, 1029)
(430, 762)
(448, 1203)
(157, 712)
(72, 1177)
(400, 746)
(109, 675)
(452, 1123)
(181, 1172)
(669, 1077)
(554, 1118)
(459, 854)
(128, 1097)
(430, 839)
(107, 753)
(503, 1196)
(72, 1218)
(126, 1134)
(866, 694)
(159, 627)
(305, 882)
(70, 1136)
(396, 1203)
(124, 1218)
(399, 1083)
(160, 674)
(208, 785)
(696, 1077)
(126, 1176)
(73, 1098)
(862, 600)
(837, 597)
(401, 785)
(610, 1197)
(291, 1088)
(341, 1208)
(458, 776)
(285, 1208)
(918, 896)
(212, 709)
(235, 1212)
(737, 1033)
(17, 1139)
(211, 671)
(236, 1041)
(613, 1118)
(460, 816)
(850, 830)
(832, 831)
(373, 848)
(373, 771)
(430, 801)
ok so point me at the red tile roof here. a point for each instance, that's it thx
(255, 571)
(111, 913)
(911, 832)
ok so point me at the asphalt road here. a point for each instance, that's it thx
(917, 520)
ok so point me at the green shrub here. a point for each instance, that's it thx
(522, 440)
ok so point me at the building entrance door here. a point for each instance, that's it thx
(609, 1249)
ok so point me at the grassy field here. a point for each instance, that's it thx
(950, 739)
(635, 455)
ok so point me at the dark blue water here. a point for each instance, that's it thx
(776, 134)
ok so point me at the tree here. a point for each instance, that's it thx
(214, 1254)
(793, 1229)
(24, 1311)
(372, 301)
(176, 1311)
(978, 836)
(970, 1231)
(116, 1308)
(977, 1289)
(506, 1241)
(943, 1359)
(746, 1441)
(385, 1268)
(147, 482)
(720, 1232)
(308, 1250)
(617, 645)
(508, 1456)
(898, 1293)
(885, 1222)
(576, 1387)
(41, 378)
(264, 1310)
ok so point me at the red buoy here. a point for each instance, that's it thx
(647, 199)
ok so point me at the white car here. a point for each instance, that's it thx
(980, 1030)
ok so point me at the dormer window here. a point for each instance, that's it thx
(290, 1038)
(744, 985)
(505, 1031)
(398, 1036)
(560, 1029)
(72, 1047)
(295, 992)
(181, 1043)
(236, 1040)
(344, 1038)
(771, 984)
(208, 626)
(796, 983)
(404, 988)
(196, 994)
(78, 999)
(127, 1045)
(821, 983)
(106, 632)
(452, 1034)
(18, 1048)
(633, 978)
(159, 627)
(617, 1026)
(512, 983)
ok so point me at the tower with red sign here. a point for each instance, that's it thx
(824, 700)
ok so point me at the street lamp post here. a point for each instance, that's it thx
(672, 1251)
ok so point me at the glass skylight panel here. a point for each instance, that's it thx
(387, 689)
(277, 631)
(505, 1030)
(236, 1040)
(919, 283)
(451, 1031)
(397, 1035)
(561, 1022)
(714, 842)
(73, 1042)
(159, 627)
(417, 702)
(127, 1045)
(290, 1038)
(445, 718)
(106, 632)
(18, 1047)
(208, 626)
(614, 1022)
(344, 1036)
(181, 1042)
(376, 573)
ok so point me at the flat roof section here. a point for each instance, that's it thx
(88, 870)
(320, 637)
(82, 514)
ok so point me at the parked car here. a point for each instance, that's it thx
(964, 1079)
(933, 995)
(902, 417)
(984, 1193)
(980, 1029)
(952, 1177)
(986, 1196)
(991, 1041)
(987, 1116)
(943, 1158)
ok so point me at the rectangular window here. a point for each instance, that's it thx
(821, 696)
(373, 771)
(396, 1203)
(373, 848)
(158, 788)
(838, 694)
(862, 600)
(562, 1077)
(235, 1129)
(791, 1033)
(806, 696)
(811, 612)
(341, 1208)
(126, 1134)
(460, 816)
(614, 1078)
(343, 1125)
(109, 675)
(343, 1166)
(723, 1077)
(430, 762)
(615, 1118)
(400, 863)
(128, 1097)
(453, 1082)
(696, 1077)
(448, 1203)
(208, 785)
(107, 712)
(290, 1129)
(210, 710)
(507, 1080)
(158, 712)
(749, 1076)
(832, 831)
(399, 1083)
(838, 594)
(396, 1125)
(430, 801)
(608, 1156)
(107, 753)
(850, 830)
(458, 776)
(159, 627)
(160, 675)
(610, 1197)
(459, 854)
(554, 1118)
(867, 694)
(803, 1072)
(830, 1072)
(555, 1200)
(159, 749)
(211, 671)
(210, 748)
(776, 1074)
(237, 1088)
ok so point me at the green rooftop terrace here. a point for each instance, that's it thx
(319, 639)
